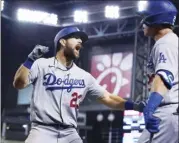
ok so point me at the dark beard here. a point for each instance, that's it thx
(69, 53)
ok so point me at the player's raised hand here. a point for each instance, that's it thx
(38, 52)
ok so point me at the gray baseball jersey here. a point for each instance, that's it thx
(164, 61)
(58, 91)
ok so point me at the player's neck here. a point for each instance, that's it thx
(162, 33)
(63, 60)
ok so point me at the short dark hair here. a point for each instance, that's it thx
(58, 46)
(163, 26)
(167, 26)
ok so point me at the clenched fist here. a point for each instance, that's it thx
(38, 52)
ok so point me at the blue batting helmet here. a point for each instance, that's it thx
(67, 32)
(159, 12)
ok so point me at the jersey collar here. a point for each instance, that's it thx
(59, 65)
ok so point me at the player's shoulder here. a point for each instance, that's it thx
(44, 61)
(169, 42)
(169, 39)
(81, 71)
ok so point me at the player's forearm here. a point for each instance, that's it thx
(122, 104)
(119, 103)
(21, 77)
(112, 101)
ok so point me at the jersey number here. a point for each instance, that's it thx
(74, 100)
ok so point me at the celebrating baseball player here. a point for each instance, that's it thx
(58, 87)
(160, 115)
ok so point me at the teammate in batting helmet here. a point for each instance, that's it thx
(159, 12)
(67, 32)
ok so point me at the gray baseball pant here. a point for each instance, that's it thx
(168, 127)
(48, 134)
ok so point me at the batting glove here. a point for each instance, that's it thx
(151, 122)
(137, 106)
(37, 53)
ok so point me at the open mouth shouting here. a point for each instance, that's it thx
(77, 49)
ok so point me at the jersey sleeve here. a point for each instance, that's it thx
(94, 90)
(34, 71)
(165, 62)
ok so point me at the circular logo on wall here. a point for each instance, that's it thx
(113, 72)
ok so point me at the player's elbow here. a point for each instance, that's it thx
(19, 84)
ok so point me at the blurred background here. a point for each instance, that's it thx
(116, 55)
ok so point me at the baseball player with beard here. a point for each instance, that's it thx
(59, 85)
(160, 115)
